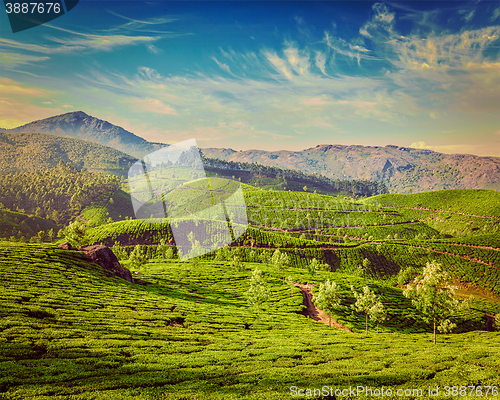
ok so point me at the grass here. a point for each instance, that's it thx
(70, 331)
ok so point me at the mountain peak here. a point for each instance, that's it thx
(80, 125)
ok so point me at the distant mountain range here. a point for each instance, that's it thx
(401, 169)
(83, 126)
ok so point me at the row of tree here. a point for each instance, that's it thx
(431, 292)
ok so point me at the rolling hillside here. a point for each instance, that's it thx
(343, 233)
(26, 152)
(185, 330)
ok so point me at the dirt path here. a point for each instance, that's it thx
(314, 312)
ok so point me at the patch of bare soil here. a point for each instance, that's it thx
(314, 312)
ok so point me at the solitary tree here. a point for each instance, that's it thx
(433, 294)
(378, 313)
(367, 303)
(313, 267)
(281, 261)
(328, 298)
(137, 258)
(237, 264)
(75, 233)
(258, 292)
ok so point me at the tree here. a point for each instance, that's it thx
(433, 294)
(137, 258)
(367, 303)
(236, 264)
(328, 298)
(161, 249)
(313, 267)
(258, 292)
(76, 234)
(280, 261)
(41, 236)
(119, 251)
(378, 313)
(366, 265)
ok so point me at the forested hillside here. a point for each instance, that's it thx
(265, 176)
(20, 152)
(57, 194)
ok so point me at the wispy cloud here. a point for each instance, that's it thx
(11, 59)
(153, 106)
(73, 40)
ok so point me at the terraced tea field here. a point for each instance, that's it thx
(186, 330)
(70, 331)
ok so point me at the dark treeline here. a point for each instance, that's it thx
(355, 187)
(58, 194)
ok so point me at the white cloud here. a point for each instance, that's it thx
(154, 106)
(495, 14)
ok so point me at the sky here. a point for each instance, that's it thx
(271, 75)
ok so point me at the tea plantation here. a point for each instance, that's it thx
(186, 331)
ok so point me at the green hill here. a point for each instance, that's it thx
(26, 152)
(14, 224)
(343, 233)
(57, 194)
(185, 330)
(462, 201)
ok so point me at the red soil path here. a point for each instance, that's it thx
(314, 312)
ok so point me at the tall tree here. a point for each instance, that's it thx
(328, 298)
(369, 304)
(137, 258)
(433, 294)
(281, 262)
(258, 292)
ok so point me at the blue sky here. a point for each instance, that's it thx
(266, 75)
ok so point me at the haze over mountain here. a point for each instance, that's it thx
(83, 126)
(401, 169)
